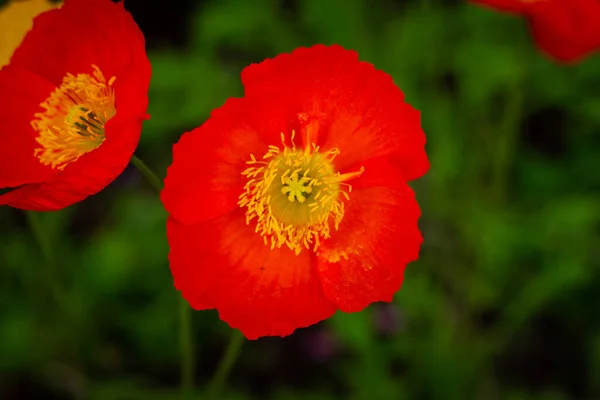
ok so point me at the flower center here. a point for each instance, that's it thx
(74, 118)
(295, 195)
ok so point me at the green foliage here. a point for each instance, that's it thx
(511, 221)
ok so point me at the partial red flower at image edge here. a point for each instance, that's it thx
(292, 202)
(566, 31)
(71, 108)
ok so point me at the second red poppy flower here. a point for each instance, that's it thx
(72, 102)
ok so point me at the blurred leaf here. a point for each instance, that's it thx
(183, 92)
(347, 29)
(16, 339)
(353, 330)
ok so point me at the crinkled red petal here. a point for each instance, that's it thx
(224, 264)
(106, 37)
(21, 93)
(364, 261)
(353, 106)
(303, 68)
(205, 179)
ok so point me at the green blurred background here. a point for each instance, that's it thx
(502, 304)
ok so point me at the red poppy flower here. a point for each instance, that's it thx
(72, 102)
(292, 202)
(566, 30)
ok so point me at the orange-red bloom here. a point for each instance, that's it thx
(566, 30)
(292, 202)
(72, 102)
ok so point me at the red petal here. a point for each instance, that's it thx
(204, 181)
(21, 94)
(16, 19)
(87, 176)
(364, 261)
(304, 66)
(358, 108)
(187, 244)
(262, 292)
(566, 31)
(79, 34)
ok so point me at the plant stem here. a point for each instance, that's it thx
(506, 141)
(186, 344)
(231, 354)
(185, 312)
(153, 179)
(187, 350)
(506, 145)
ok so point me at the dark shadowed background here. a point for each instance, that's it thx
(503, 303)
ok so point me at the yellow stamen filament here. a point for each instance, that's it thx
(294, 196)
(74, 118)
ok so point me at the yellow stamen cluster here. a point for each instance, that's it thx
(74, 118)
(294, 195)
